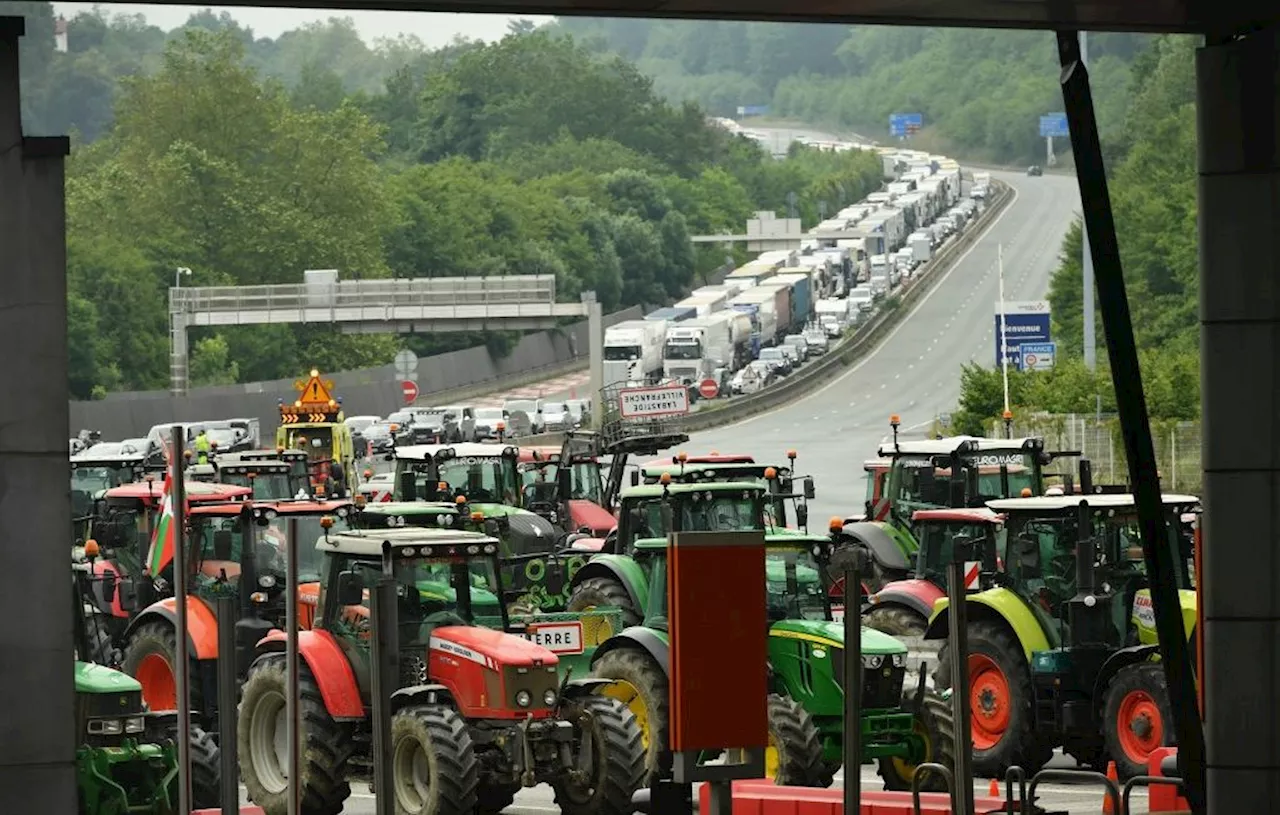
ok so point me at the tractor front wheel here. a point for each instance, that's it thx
(262, 738)
(793, 757)
(1000, 702)
(604, 592)
(933, 741)
(1137, 717)
(434, 762)
(897, 621)
(640, 684)
(617, 760)
(150, 657)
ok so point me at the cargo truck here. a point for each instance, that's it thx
(672, 314)
(704, 304)
(750, 275)
(697, 348)
(802, 288)
(762, 303)
(633, 351)
(921, 246)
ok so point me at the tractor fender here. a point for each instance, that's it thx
(620, 568)
(577, 688)
(637, 637)
(881, 545)
(917, 595)
(421, 694)
(1120, 659)
(202, 625)
(1000, 605)
(329, 667)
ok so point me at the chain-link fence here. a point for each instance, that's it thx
(1098, 438)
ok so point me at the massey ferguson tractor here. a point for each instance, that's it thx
(480, 713)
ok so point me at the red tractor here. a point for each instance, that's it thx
(480, 713)
(235, 549)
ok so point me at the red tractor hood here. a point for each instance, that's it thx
(493, 649)
(594, 517)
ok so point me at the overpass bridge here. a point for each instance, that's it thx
(1237, 750)
(417, 305)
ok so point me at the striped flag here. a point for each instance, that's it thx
(162, 539)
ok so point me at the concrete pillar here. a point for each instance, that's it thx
(1237, 88)
(595, 353)
(36, 690)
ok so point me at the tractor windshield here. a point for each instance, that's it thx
(486, 479)
(793, 586)
(272, 486)
(919, 483)
(93, 479)
(936, 541)
(718, 512)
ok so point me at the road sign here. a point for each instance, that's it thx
(410, 390)
(1038, 356)
(1054, 125)
(1027, 322)
(650, 403)
(407, 365)
(316, 392)
(708, 389)
(558, 638)
(752, 110)
(902, 124)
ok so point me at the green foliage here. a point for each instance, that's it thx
(981, 92)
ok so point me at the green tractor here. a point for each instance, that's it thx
(1062, 649)
(806, 701)
(780, 480)
(127, 758)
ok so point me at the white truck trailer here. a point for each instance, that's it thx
(696, 348)
(633, 351)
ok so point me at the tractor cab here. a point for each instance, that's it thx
(103, 466)
(779, 481)
(484, 473)
(877, 474)
(270, 480)
(920, 473)
(564, 484)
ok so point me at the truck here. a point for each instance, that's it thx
(760, 304)
(704, 304)
(802, 290)
(774, 301)
(728, 287)
(697, 348)
(751, 274)
(314, 422)
(673, 314)
(833, 315)
(921, 246)
(633, 351)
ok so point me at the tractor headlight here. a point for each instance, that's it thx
(549, 697)
(267, 581)
(134, 724)
(872, 661)
(105, 727)
(899, 660)
(524, 698)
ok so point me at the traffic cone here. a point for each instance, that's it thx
(994, 789)
(1109, 806)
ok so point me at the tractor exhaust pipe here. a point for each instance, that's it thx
(1084, 551)
(1086, 477)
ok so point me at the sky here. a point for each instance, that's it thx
(434, 29)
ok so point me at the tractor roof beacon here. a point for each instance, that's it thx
(479, 714)
(1062, 648)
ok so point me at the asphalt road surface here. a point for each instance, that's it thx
(915, 371)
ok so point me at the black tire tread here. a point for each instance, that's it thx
(638, 668)
(206, 770)
(624, 760)
(1147, 676)
(895, 620)
(327, 745)
(604, 592)
(457, 778)
(799, 746)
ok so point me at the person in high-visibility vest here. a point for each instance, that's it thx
(202, 447)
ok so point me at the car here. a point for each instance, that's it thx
(488, 420)
(792, 354)
(531, 410)
(777, 359)
(800, 344)
(817, 340)
(580, 409)
(1034, 169)
(379, 436)
(556, 417)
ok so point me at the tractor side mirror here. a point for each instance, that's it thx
(564, 482)
(408, 486)
(635, 478)
(350, 589)
(809, 491)
(127, 591)
(222, 544)
(802, 516)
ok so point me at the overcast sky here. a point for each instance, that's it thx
(433, 29)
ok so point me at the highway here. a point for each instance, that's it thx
(915, 371)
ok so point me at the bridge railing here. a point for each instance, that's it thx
(426, 292)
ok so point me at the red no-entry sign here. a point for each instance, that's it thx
(410, 391)
(709, 389)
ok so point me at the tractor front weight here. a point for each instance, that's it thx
(147, 774)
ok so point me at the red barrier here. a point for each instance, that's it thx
(1164, 797)
(763, 797)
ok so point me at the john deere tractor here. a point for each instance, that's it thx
(1061, 649)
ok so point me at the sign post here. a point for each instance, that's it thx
(407, 365)
(1025, 321)
(1053, 126)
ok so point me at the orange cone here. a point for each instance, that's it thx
(994, 789)
(1109, 806)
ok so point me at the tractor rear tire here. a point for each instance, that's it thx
(150, 657)
(936, 724)
(1137, 697)
(641, 685)
(619, 761)
(206, 770)
(1017, 743)
(895, 620)
(326, 745)
(438, 734)
(799, 748)
(604, 592)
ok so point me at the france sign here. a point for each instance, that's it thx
(651, 403)
(1027, 322)
(1038, 356)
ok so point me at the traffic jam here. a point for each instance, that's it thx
(423, 604)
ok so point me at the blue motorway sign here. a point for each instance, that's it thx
(903, 124)
(1037, 356)
(1055, 125)
(1026, 322)
(752, 110)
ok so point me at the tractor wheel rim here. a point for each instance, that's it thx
(989, 701)
(412, 775)
(905, 768)
(629, 695)
(159, 688)
(772, 758)
(1139, 726)
(268, 742)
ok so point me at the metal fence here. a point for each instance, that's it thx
(1098, 437)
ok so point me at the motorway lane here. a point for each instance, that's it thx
(915, 371)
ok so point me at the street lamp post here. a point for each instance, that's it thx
(177, 276)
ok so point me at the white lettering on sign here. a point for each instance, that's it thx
(647, 403)
(558, 638)
(1143, 610)
(1011, 460)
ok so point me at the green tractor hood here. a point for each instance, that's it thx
(91, 678)
(873, 642)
